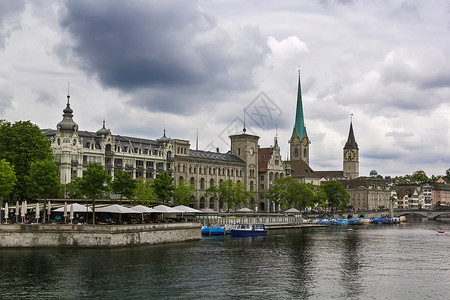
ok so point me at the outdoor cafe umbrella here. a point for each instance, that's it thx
(49, 210)
(65, 212)
(187, 209)
(166, 209)
(37, 212)
(17, 210)
(6, 212)
(24, 208)
(76, 208)
(71, 213)
(143, 209)
(118, 209)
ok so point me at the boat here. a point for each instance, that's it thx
(242, 229)
(441, 231)
(214, 230)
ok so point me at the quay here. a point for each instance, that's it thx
(106, 236)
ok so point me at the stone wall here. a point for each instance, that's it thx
(68, 235)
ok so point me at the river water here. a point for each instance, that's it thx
(406, 261)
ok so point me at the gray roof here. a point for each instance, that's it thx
(214, 156)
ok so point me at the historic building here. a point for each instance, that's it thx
(367, 193)
(298, 164)
(270, 167)
(144, 158)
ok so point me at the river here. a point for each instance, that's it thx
(405, 261)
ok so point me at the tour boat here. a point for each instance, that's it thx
(214, 230)
(441, 231)
(248, 229)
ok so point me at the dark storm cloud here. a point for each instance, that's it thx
(8, 10)
(137, 45)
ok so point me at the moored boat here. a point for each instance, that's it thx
(242, 229)
(214, 230)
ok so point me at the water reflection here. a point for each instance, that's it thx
(351, 263)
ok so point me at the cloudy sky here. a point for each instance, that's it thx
(143, 66)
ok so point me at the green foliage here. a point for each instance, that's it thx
(289, 192)
(7, 179)
(144, 194)
(163, 186)
(337, 196)
(184, 193)
(419, 177)
(123, 184)
(21, 144)
(73, 189)
(44, 178)
(94, 183)
(233, 194)
(447, 172)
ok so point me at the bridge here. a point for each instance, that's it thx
(429, 214)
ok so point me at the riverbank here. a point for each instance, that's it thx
(75, 236)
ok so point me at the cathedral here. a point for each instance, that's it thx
(298, 164)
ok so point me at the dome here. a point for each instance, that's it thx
(163, 139)
(373, 173)
(102, 131)
(67, 124)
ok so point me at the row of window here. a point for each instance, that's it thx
(211, 182)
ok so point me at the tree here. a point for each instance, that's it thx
(123, 184)
(21, 144)
(44, 178)
(239, 195)
(144, 194)
(320, 197)
(163, 186)
(337, 196)
(94, 184)
(289, 192)
(419, 176)
(73, 189)
(447, 172)
(7, 181)
(183, 193)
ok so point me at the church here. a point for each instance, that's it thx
(298, 164)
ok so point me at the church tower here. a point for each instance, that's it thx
(299, 142)
(351, 156)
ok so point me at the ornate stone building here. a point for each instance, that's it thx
(367, 193)
(270, 167)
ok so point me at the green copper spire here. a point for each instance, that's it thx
(299, 126)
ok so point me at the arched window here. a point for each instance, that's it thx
(304, 152)
(202, 183)
(192, 181)
(295, 152)
(251, 185)
(202, 202)
(180, 179)
(211, 203)
(211, 182)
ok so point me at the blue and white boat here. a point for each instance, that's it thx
(214, 230)
(242, 229)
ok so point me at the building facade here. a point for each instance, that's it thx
(368, 193)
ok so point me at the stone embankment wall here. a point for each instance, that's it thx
(71, 235)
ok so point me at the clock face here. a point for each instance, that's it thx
(296, 141)
(349, 155)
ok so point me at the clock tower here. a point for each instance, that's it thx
(351, 156)
(299, 142)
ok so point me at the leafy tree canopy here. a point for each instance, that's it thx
(337, 196)
(7, 179)
(144, 194)
(123, 184)
(44, 178)
(184, 193)
(21, 144)
(163, 186)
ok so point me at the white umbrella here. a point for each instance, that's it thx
(76, 208)
(24, 208)
(187, 209)
(144, 209)
(245, 209)
(37, 212)
(65, 212)
(17, 210)
(292, 210)
(49, 209)
(166, 209)
(71, 213)
(6, 212)
(118, 209)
